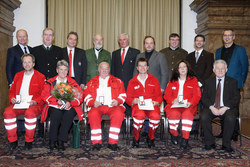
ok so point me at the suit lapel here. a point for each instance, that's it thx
(19, 50)
(153, 56)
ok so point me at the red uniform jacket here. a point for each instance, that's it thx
(35, 89)
(191, 92)
(52, 101)
(152, 89)
(117, 90)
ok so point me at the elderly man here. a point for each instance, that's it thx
(14, 54)
(26, 83)
(76, 58)
(220, 98)
(95, 56)
(237, 60)
(105, 95)
(144, 86)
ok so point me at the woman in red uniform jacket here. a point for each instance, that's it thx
(61, 115)
(182, 88)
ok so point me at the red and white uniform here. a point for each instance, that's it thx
(51, 101)
(116, 91)
(30, 114)
(151, 90)
(191, 93)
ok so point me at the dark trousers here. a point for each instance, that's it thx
(62, 119)
(229, 119)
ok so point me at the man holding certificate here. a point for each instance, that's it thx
(24, 96)
(105, 94)
(144, 96)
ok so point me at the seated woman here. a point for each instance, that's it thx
(182, 89)
(61, 112)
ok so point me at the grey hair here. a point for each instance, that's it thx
(62, 63)
(104, 62)
(127, 36)
(48, 29)
(97, 34)
(219, 61)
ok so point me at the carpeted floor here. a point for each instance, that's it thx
(161, 155)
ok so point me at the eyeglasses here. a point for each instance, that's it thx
(228, 35)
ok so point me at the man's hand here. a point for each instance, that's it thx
(162, 90)
(175, 101)
(214, 110)
(82, 86)
(135, 101)
(155, 103)
(188, 104)
(96, 104)
(60, 102)
(33, 102)
(222, 110)
(13, 100)
(114, 103)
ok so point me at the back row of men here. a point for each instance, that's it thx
(84, 64)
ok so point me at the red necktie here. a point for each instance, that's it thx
(123, 54)
(70, 62)
(217, 96)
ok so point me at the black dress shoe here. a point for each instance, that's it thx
(61, 145)
(52, 145)
(184, 144)
(96, 147)
(28, 145)
(150, 142)
(209, 147)
(13, 145)
(174, 139)
(135, 143)
(227, 149)
(113, 147)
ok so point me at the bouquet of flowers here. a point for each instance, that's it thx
(64, 92)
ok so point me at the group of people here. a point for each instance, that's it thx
(129, 83)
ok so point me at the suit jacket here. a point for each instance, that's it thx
(204, 67)
(80, 64)
(231, 93)
(238, 66)
(158, 67)
(124, 71)
(92, 62)
(46, 61)
(14, 62)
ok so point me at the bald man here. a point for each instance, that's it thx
(95, 56)
(105, 95)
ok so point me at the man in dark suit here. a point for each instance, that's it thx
(201, 61)
(123, 60)
(14, 54)
(158, 66)
(237, 60)
(220, 98)
(47, 55)
(77, 60)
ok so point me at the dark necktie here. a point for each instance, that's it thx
(47, 48)
(70, 63)
(217, 96)
(25, 50)
(123, 54)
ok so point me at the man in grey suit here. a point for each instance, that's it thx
(158, 66)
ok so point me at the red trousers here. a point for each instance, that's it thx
(116, 115)
(139, 117)
(30, 115)
(174, 115)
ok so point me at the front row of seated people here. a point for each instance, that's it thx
(105, 95)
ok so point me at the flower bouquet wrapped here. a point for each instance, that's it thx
(65, 92)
